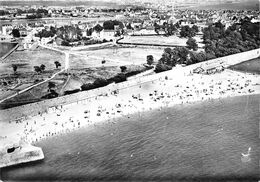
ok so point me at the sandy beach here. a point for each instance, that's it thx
(166, 92)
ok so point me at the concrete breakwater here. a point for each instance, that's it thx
(25, 154)
(22, 112)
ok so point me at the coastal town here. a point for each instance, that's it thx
(69, 67)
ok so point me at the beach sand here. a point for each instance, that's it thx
(158, 94)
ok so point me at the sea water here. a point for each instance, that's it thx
(202, 141)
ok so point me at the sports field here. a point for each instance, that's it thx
(114, 56)
(159, 40)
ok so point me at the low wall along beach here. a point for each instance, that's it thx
(33, 109)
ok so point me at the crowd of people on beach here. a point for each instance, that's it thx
(165, 92)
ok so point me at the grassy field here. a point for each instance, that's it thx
(251, 66)
(114, 56)
(172, 40)
(87, 75)
(25, 74)
(26, 60)
(160, 39)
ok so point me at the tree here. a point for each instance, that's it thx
(57, 64)
(129, 26)
(42, 67)
(123, 68)
(197, 57)
(14, 66)
(100, 82)
(195, 28)
(110, 24)
(16, 33)
(182, 53)
(37, 69)
(89, 31)
(150, 59)
(65, 43)
(186, 31)
(51, 86)
(160, 67)
(156, 28)
(192, 44)
(210, 56)
(98, 28)
(170, 29)
(120, 77)
(87, 86)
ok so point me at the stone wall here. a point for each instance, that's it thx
(44, 106)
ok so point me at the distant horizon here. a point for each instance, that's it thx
(239, 5)
(130, 1)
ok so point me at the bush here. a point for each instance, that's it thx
(120, 77)
(192, 44)
(150, 59)
(160, 67)
(100, 82)
(123, 68)
(51, 95)
(71, 91)
(87, 86)
(65, 43)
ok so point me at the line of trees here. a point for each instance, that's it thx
(39, 69)
(120, 77)
(168, 28)
(187, 31)
(179, 55)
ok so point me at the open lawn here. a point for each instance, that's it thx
(26, 60)
(159, 40)
(114, 56)
(251, 66)
(25, 75)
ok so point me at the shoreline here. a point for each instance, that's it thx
(134, 114)
(159, 94)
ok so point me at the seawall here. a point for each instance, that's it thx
(43, 106)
